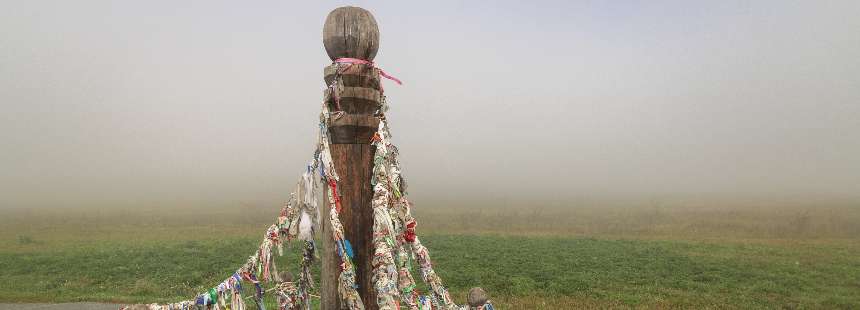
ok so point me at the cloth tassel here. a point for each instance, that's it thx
(305, 227)
(395, 241)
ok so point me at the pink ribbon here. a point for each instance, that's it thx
(352, 61)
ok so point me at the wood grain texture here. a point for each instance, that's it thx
(330, 269)
(355, 120)
(364, 93)
(358, 75)
(359, 92)
(351, 134)
(354, 164)
(351, 32)
(353, 129)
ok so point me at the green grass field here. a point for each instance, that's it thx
(627, 258)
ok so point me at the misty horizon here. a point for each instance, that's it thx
(111, 104)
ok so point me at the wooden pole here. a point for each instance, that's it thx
(351, 32)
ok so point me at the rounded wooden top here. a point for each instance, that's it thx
(351, 32)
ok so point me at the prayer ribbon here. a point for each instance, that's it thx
(394, 237)
(352, 61)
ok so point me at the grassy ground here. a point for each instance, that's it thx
(99, 255)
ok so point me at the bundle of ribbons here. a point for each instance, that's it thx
(395, 242)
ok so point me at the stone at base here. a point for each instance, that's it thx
(477, 297)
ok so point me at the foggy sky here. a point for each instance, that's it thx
(180, 103)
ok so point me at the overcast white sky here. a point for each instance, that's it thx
(189, 103)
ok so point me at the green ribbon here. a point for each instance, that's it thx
(213, 295)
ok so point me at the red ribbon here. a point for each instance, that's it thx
(333, 185)
(375, 138)
(409, 234)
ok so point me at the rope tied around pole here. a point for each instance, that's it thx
(353, 61)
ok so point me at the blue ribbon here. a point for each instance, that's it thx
(238, 285)
(348, 248)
